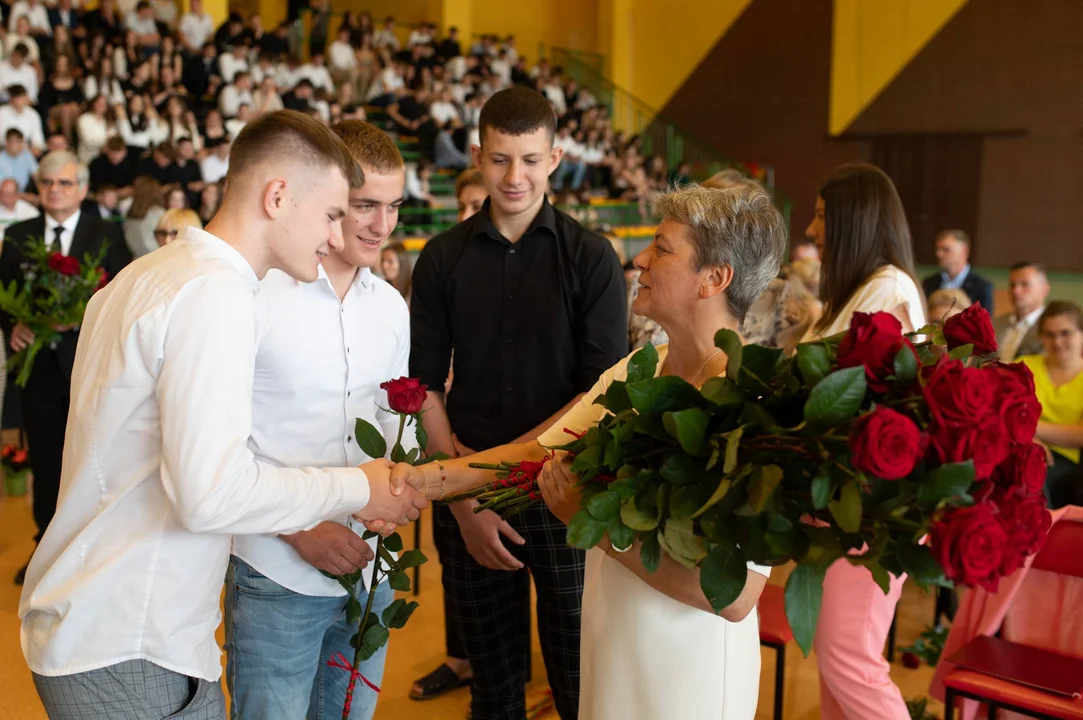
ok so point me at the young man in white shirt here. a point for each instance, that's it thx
(237, 93)
(324, 349)
(121, 599)
(17, 71)
(215, 165)
(195, 28)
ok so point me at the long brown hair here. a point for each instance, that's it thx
(146, 193)
(865, 229)
(402, 282)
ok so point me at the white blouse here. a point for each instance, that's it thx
(885, 290)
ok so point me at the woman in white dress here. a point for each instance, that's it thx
(861, 230)
(651, 646)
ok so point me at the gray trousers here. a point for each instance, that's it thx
(131, 690)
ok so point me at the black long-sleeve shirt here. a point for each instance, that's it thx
(532, 323)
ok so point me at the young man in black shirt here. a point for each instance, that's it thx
(535, 308)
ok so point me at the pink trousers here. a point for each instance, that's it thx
(855, 683)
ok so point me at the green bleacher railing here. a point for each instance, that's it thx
(620, 216)
(659, 134)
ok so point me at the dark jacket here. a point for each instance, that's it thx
(977, 288)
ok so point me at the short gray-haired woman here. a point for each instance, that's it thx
(651, 645)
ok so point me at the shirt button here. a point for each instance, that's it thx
(510, 296)
(511, 251)
(349, 438)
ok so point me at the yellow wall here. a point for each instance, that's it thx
(654, 45)
(872, 41)
(569, 24)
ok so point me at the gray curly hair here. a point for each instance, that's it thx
(738, 226)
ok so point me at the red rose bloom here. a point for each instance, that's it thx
(986, 444)
(1015, 378)
(64, 264)
(1026, 521)
(971, 327)
(969, 543)
(19, 457)
(8, 451)
(956, 393)
(1024, 469)
(405, 395)
(873, 341)
(885, 444)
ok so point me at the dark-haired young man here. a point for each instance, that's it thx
(535, 308)
(121, 598)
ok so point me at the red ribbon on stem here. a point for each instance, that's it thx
(338, 660)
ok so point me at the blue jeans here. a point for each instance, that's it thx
(278, 643)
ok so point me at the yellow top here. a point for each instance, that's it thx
(1061, 404)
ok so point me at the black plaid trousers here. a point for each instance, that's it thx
(492, 611)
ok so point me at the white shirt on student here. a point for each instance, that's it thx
(213, 168)
(22, 211)
(318, 75)
(28, 122)
(318, 368)
(231, 99)
(341, 56)
(24, 75)
(158, 473)
(196, 29)
(66, 235)
(37, 15)
(229, 66)
(443, 112)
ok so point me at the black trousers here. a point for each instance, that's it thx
(443, 522)
(45, 416)
(491, 610)
(1063, 483)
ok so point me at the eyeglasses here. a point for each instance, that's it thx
(161, 234)
(63, 183)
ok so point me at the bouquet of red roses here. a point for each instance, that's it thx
(901, 453)
(53, 297)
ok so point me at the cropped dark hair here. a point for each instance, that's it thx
(293, 135)
(517, 111)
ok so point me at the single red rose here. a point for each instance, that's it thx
(985, 443)
(873, 341)
(1026, 521)
(971, 327)
(969, 543)
(405, 395)
(64, 264)
(1015, 378)
(1024, 469)
(19, 457)
(955, 393)
(911, 660)
(885, 444)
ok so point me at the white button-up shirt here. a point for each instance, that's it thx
(66, 236)
(158, 472)
(319, 368)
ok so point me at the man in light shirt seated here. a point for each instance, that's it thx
(215, 165)
(35, 12)
(323, 350)
(13, 208)
(237, 93)
(121, 599)
(17, 70)
(195, 28)
(16, 162)
(142, 23)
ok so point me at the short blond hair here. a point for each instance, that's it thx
(949, 299)
(370, 147)
(178, 219)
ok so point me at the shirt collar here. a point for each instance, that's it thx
(1030, 318)
(546, 218)
(68, 225)
(362, 281)
(225, 251)
(959, 279)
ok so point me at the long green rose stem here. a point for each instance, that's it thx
(376, 577)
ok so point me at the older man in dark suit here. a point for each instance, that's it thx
(953, 257)
(63, 182)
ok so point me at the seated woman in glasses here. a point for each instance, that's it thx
(173, 222)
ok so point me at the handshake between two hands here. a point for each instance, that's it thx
(396, 496)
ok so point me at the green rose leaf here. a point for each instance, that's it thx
(724, 486)
(730, 343)
(422, 436)
(615, 398)
(760, 361)
(847, 509)
(945, 482)
(353, 610)
(722, 392)
(621, 536)
(614, 454)
(681, 469)
(682, 543)
(637, 519)
(822, 489)
(962, 352)
(604, 506)
(686, 501)
(398, 453)
(762, 486)
(393, 542)
(399, 580)
(804, 593)
(584, 532)
(813, 361)
(906, 364)
(663, 394)
(688, 427)
(590, 459)
(643, 365)
(837, 397)
(373, 639)
(370, 439)
(722, 575)
(650, 551)
(733, 444)
(918, 562)
(397, 613)
(412, 558)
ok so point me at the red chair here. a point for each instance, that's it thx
(1002, 684)
(775, 633)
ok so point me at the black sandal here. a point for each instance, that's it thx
(440, 681)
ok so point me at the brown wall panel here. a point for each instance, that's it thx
(761, 94)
